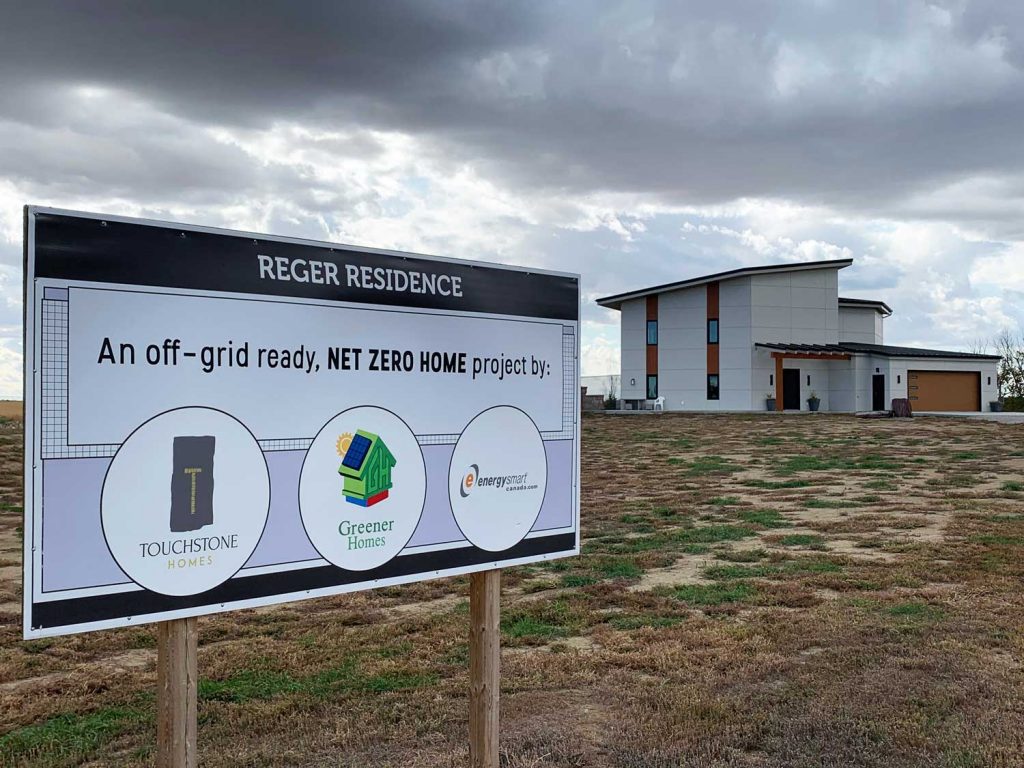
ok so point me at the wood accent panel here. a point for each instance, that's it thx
(712, 300)
(944, 390)
(652, 309)
(652, 349)
(713, 358)
(778, 383)
(810, 356)
(712, 314)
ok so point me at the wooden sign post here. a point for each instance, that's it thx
(484, 667)
(176, 707)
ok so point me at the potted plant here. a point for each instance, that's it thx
(813, 401)
(769, 401)
(996, 406)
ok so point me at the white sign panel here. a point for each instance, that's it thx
(218, 420)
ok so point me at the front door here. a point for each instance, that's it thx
(791, 389)
(878, 392)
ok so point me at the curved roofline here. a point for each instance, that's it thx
(615, 302)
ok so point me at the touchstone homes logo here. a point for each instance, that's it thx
(509, 483)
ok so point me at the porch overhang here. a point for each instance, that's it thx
(782, 352)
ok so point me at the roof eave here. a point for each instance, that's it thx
(615, 301)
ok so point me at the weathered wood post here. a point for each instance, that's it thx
(176, 707)
(484, 667)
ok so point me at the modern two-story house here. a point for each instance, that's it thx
(732, 340)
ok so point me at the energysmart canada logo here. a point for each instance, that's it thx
(472, 479)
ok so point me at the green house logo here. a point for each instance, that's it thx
(366, 466)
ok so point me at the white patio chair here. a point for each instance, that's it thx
(659, 404)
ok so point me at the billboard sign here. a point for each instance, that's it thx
(219, 420)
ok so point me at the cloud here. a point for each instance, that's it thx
(634, 143)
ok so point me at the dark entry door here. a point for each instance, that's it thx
(878, 392)
(791, 389)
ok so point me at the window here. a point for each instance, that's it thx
(990, 381)
(712, 386)
(898, 378)
(713, 331)
(771, 379)
(808, 379)
(652, 331)
(652, 387)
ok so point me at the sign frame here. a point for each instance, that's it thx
(35, 286)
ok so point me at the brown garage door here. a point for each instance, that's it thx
(944, 390)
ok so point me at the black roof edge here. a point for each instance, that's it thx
(886, 309)
(882, 350)
(738, 272)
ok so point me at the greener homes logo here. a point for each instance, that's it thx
(366, 465)
(508, 483)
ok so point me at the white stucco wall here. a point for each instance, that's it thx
(633, 349)
(860, 324)
(899, 366)
(682, 349)
(796, 307)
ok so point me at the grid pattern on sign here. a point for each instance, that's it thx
(54, 413)
(54, 371)
(570, 388)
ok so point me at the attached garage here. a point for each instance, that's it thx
(944, 390)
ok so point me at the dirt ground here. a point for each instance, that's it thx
(755, 590)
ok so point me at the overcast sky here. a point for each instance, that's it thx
(635, 143)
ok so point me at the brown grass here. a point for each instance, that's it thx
(754, 591)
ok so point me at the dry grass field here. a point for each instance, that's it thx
(754, 591)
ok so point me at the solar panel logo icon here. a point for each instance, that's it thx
(366, 466)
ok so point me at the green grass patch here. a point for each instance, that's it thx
(262, 684)
(618, 568)
(67, 739)
(714, 594)
(776, 485)
(830, 504)
(572, 580)
(1012, 485)
(743, 555)
(802, 540)
(828, 463)
(541, 621)
(710, 534)
(915, 611)
(724, 501)
(768, 570)
(766, 518)
(966, 455)
(625, 623)
(996, 540)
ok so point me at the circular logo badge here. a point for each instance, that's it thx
(185, 501)
(497, 478)
(362, 488)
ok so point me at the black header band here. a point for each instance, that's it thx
(70, 247)
(65, 613)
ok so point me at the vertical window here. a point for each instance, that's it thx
(808, 379)
(712, 386)
(652, 387)
(713, 331)
(771, 379)
(652, 331)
